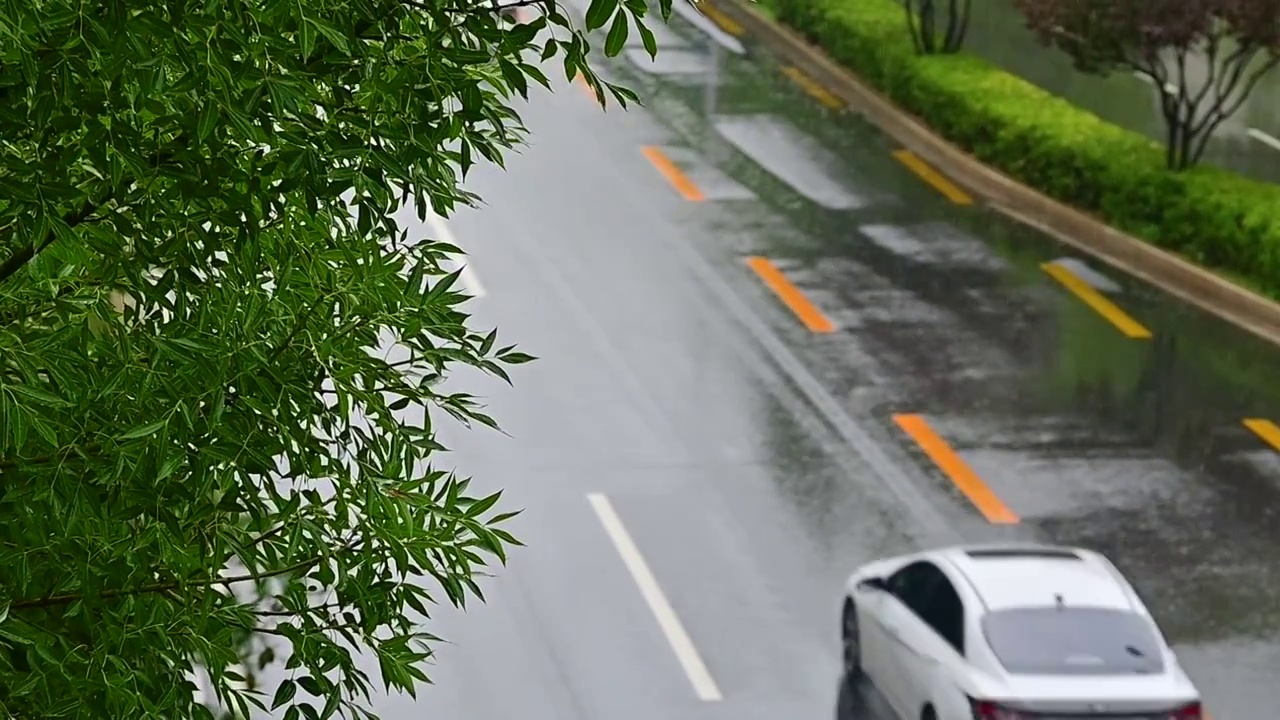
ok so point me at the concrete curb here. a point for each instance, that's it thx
(1184, 280)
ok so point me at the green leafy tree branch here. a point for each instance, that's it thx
(202, 437)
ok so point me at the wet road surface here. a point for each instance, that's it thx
(772, 350)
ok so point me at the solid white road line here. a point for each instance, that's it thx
(1264, 138)
(686, 653)
(470, 282)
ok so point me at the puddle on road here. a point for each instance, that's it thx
(677, 62)
(1091, 277)
(713, 183)
(665, 38)
(935, 243)
(790, 156)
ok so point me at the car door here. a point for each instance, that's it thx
(932, 640)
(907, 588)
(873, 638)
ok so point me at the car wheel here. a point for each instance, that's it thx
(851, 642)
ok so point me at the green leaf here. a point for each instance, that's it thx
(599, 12)
(189, 344)
(650, 42)
(306, 40)
(41, 396)
(479, 507)
(487, 343)
(142, 431)
(195, 377)
(472, 100)
(284, 693)
(11, 632)
(332, 34)
(310, 685)
(171, 464)
(207, 121)
(617, 37)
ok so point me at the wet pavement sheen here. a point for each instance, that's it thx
(754, 463)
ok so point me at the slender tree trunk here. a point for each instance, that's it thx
(966, 13)
(928, 27)
(957, 25)
(913, 26)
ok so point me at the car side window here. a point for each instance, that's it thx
(913, 584)
(927, 592)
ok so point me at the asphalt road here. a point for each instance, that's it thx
(772, 350)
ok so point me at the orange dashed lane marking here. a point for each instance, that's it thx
(673, 175)
(790, 295)
(1268, 431)
(955, 468)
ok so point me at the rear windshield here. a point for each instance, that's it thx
(1072, 641)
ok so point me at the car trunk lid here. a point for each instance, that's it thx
(1126, 697)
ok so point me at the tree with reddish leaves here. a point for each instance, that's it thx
(1204, 56)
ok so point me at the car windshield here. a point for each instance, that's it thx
(1073, 641)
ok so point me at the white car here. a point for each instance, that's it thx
(1010, 632)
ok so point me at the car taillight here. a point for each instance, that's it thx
(1190, 712)
(987, 710)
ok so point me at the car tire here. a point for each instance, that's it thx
(851, 644)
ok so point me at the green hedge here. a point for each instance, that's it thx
(1214, 217)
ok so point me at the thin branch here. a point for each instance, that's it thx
(65, 599)
(1224, 104)
(263, 537)
(24, 254)
(1211, 54)
(298, 327)
(966, 13)
(60, 456)
(913, 26)
(928, 26)
(295, 613)
(1221, 116)
(492, 7)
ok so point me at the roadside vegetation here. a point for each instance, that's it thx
(1154, 191)
(221, 358)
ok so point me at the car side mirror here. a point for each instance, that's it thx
(873, 583)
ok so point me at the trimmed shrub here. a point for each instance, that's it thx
(1214, 217)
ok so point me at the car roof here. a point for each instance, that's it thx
(1027, 576)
